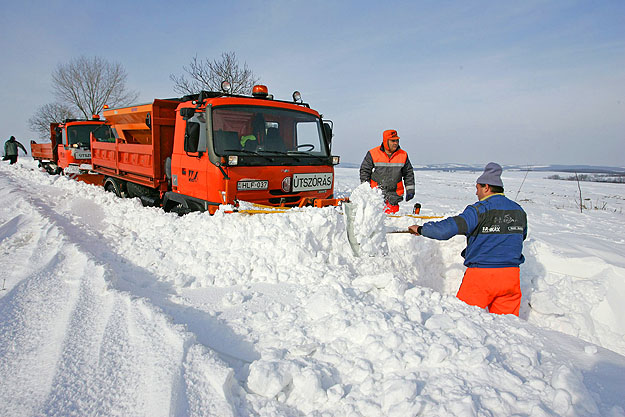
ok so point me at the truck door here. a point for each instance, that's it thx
(64, 151)
(192, 176)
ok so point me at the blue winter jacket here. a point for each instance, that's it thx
(495, 229)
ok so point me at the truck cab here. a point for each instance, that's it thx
(69, 150)
(204, 150)
(254, 149)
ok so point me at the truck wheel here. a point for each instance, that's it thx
(52, 171)
(113, 186)
(175, 206)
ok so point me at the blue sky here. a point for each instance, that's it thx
(532, 82)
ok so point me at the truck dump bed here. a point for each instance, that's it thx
(41, 151)
(144, 139)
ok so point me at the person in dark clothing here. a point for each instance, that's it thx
(495, 228)
(385, 167)
(10, 150)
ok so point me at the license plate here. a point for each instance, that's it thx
(312, 182)
(82, 155)
(246, 185)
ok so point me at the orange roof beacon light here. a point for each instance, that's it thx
(226, 87)
(105, 107)
(297, 96)
(95, 117)
(260, 91)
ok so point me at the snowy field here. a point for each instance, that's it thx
(108, 308)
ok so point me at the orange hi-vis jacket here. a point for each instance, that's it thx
(386, 172)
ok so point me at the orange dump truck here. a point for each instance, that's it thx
(200, 151)
(69, 149)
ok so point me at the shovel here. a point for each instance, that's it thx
(350, 213)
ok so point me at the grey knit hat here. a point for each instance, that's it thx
(491, 175)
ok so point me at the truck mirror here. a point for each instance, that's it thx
(187, 113)
(327, 129)
(202, 143)
(191, 136)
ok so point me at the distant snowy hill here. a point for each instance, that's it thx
(110, 308)
(539, 168)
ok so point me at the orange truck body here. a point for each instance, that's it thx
(68, 151)
(212, 149)
(139, 151)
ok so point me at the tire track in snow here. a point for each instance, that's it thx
(27, 373)
(141, 333)
(38, 267)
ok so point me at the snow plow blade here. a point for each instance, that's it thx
(305, 202)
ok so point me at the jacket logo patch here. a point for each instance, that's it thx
(492, 229)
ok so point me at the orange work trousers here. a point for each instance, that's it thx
(499, 289)
(390, 208)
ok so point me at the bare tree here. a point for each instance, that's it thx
(90, 83)
(49, 113)
(208, 75)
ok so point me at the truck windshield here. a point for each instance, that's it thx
(265, 130)
(79, 134)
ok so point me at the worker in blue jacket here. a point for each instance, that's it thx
(495, 228)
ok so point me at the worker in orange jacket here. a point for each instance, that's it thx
(385, 167)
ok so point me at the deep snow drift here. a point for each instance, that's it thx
(110, 308)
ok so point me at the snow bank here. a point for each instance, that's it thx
(112, 308)
(367, 216)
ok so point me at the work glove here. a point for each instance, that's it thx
(409, 196)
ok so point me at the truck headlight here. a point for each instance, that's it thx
(336, 159)
(233, 160)
(286, 184)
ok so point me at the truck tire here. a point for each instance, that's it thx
(115, 186)
(52, 170)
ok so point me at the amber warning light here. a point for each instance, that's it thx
(260, 91)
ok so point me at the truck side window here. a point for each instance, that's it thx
(191, 137)
(58, 136)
